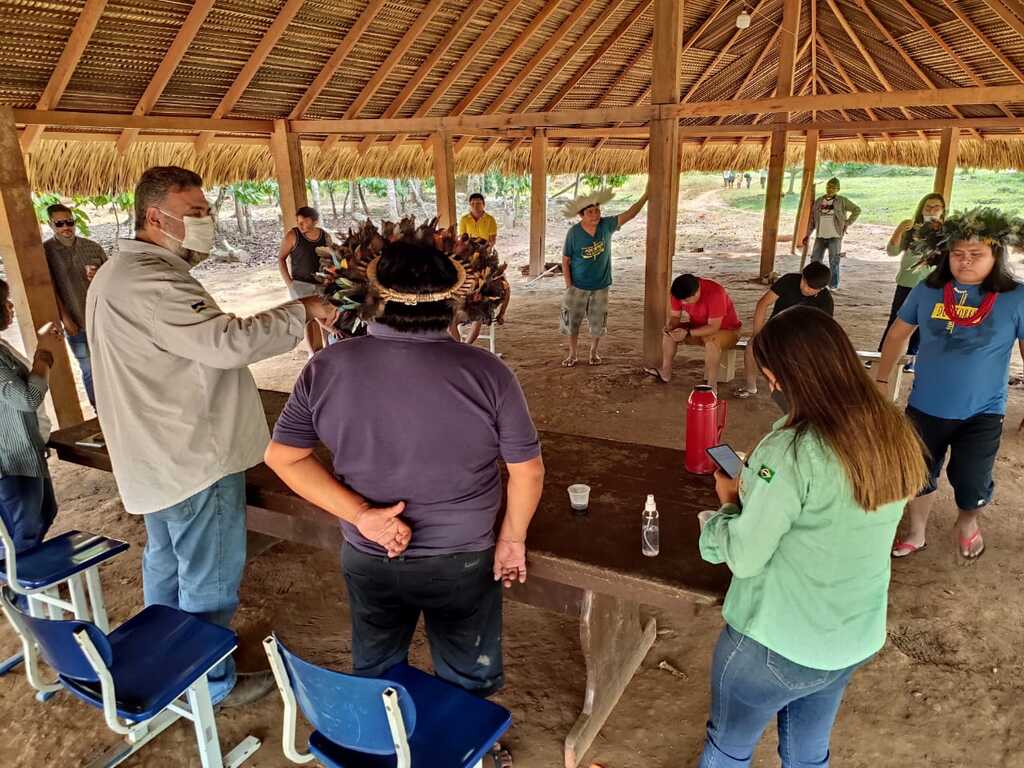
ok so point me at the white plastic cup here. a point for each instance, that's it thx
(579, 496)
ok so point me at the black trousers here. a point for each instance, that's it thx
(459, 599)
(898, 298)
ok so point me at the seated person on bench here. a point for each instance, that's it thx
(702, 315)
(809, 288)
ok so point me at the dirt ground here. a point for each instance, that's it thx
(947, 691)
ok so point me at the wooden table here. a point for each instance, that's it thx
(589, 566)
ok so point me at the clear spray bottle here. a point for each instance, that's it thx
(650, 538)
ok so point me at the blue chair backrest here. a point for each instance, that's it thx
(57, 644)
(346, 709)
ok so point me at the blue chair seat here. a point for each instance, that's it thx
(157, 654)
(60, 558)
(450, 726)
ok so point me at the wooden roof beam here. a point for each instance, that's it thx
(382, 72)
(345, 46)
(164, 73)
(427, 66)
(969, 23)
(905, 55)
(1007, 15)
(846, 79)
(259, 55)
(496, 24)
(535, 61)
(79, 38)
(844, 113)
(814, 53)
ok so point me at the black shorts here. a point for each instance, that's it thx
(972, 444)
(461, 604)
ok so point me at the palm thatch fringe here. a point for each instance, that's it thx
(95, 167)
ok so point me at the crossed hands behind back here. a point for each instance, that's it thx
(382, 526)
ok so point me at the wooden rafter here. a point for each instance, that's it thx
(1007, 15)
(775, 90)
(871, 61)
(824, 86)
(381, 73)
(179, 47)
(985, 40)
(561, 63)
(252, 66)
(846, 79)
(923, 76)
(345, 46)
(553, 40)
(427, 66)
(496, 24)
(814, 54)
(81, 33)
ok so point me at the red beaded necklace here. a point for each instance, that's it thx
(949, 304)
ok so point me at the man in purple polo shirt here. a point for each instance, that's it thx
(416, 424)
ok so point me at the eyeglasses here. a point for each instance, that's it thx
(64, 223)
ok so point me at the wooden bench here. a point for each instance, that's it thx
(589, 567)
(728, 364)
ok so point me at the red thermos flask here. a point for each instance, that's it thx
(705, 420)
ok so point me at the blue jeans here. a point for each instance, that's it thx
(28, 508)
(80, 349)
(751, 684)
(195, 554)
(832, 245)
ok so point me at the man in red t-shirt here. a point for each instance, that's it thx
(702, 315)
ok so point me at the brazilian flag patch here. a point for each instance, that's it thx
(766, 473)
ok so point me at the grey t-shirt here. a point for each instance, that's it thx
(67, 270)
(419, 418)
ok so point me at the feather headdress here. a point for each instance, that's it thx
(986, 225)
(349, 268)
(573, 207)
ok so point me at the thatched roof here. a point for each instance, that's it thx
(541, 55)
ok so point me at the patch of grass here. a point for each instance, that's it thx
(890, 199)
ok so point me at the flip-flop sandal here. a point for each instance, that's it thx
(743, 393)
(967, 544)
(656, 374)
(500, 757)
(905, 548)
(596, 361)
(570, 362)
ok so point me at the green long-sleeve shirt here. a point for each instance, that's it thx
(810, 566)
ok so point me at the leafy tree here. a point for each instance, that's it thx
(41, 202)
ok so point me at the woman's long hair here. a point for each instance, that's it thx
(831, 396)
(5, 294)
(919, 213)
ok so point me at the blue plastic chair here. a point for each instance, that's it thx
(405, 718)
(144, 676)
(70, 559)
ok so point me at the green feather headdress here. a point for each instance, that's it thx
(983, 224)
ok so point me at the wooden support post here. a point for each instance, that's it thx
(947, 163)
(291, 174)
(21, 249)
(663, 177)
(803, 216)
(444, 178)
(538, 201)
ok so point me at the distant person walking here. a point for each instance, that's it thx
(299, 246)
(831, 215)
(747, 178)
(930, 214)
(806, 531)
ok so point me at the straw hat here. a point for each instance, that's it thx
(573, 207)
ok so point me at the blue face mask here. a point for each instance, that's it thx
(780, 399)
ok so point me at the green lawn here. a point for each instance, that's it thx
(891, 198)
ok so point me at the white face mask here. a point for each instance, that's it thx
(200, 232)
(930, 217)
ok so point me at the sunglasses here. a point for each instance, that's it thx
(64, 223)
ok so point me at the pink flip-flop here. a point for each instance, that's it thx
(905, 548)
(968, 543)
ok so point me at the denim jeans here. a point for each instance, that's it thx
(28, 508)
(750, 684)
(194, 558)
(833, 246)
(80, 349)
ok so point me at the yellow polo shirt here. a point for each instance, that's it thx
(485, 228)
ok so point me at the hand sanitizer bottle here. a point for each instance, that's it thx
(649, 532)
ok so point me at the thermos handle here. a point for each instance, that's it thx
(721, 419)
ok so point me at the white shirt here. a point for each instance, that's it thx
(177, 404)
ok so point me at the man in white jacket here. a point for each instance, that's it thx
(180, 411)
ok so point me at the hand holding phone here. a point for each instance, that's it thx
(726, 459)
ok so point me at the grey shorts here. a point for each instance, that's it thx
(577, 304)
(299, 289)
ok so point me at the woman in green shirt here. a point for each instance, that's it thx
(931, 211)
(806, 532)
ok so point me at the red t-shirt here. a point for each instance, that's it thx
(713, 302)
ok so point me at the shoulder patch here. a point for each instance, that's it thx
(199, 306)
(766, 473)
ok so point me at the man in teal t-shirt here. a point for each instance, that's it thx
(587, 267)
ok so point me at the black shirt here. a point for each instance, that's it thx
(787, 288)
(305, 262)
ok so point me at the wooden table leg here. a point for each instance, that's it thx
(615, 643)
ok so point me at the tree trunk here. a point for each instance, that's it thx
(393, 200)
(247, 212)
(792, 181)
(239, 215)
(314, 193)
(362, 198)
(221, 194)
(576, 187)
(334, 204)
(344, 201)
(414, 186)
(117, 221)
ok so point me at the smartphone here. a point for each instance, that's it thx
(727, 460)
